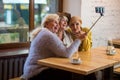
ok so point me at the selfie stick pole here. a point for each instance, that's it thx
(94, 23)
(98, 10)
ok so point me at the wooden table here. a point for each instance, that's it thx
(101, 52)
(116, 43)
(92, 61)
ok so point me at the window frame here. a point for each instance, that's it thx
(31, 27)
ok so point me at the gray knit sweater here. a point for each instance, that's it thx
(46, 44)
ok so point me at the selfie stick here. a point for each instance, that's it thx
(98, 10)
(94, 24)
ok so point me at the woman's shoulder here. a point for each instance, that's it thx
(48, 35)
(34, 33)
(45, 31)
(68, 30)
(86, 29)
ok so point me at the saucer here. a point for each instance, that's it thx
(75, 61)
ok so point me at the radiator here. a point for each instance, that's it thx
(11, 67)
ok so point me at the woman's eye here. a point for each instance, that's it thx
(77, 23)
(72, 25)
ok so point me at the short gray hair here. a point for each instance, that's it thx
(49, 17)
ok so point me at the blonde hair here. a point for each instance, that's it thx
(49, 17)
(74, 18)
(64, 17)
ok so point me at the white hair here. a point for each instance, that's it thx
(49, 17)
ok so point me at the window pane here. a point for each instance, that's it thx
(14, 22)
(49, 6)
(14, 18)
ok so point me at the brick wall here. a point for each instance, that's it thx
(108, 27)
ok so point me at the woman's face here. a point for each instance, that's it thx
(63, 23)
(75, 26)
(53, 26)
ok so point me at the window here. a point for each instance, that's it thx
(19, 17)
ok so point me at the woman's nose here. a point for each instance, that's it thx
(74, 26)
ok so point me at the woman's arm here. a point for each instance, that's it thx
(57, 47)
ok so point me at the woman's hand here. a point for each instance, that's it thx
(80, 35)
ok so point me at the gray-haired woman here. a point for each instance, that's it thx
(44, 45)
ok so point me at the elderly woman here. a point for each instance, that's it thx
(46, 44)
(62, 33)
(76, 30)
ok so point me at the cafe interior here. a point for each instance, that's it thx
(19, 17)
